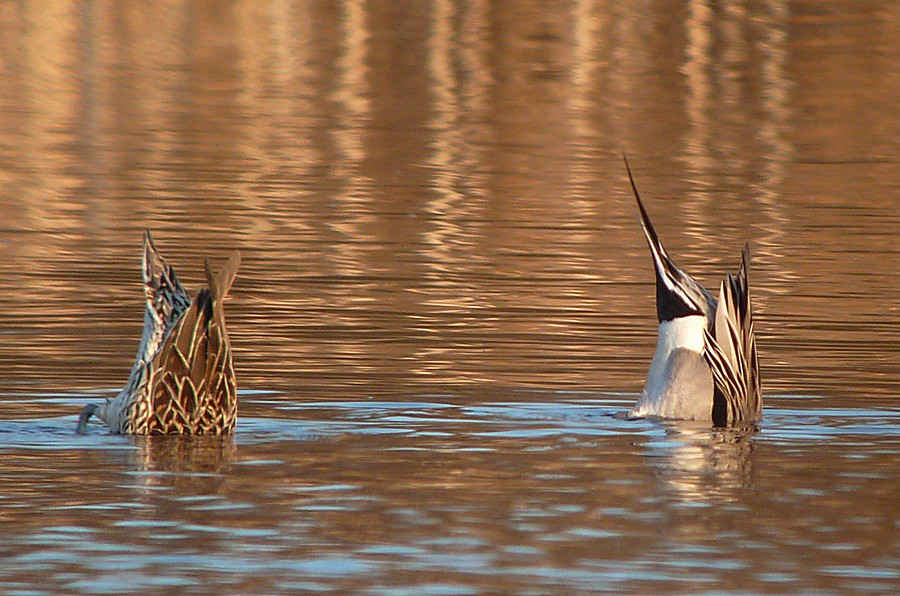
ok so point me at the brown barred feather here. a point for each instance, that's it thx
(187, 385)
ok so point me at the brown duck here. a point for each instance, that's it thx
(182, 381)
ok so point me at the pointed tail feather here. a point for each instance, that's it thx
(731, 352)
(677, 293)
(153, 266)
(659, 252)
(159, 277)
(221, 283)
(166, 300)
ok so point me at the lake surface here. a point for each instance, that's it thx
(445, 297)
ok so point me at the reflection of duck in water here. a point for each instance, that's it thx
(190, 464)
(699, 464)
(705, 366)
(183, 378)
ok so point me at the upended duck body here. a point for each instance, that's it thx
(183, 380)
(705, 366)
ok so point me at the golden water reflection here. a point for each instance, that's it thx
(431, 207)
(416, 165)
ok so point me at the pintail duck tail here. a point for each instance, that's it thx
(730, 351)
(705, 366)
(183, 379)
(677, 293)
(166, 300)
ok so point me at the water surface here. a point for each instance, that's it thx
(445, 296)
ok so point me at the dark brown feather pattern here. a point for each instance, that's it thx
(187, 385)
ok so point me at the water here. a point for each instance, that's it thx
(445, 297)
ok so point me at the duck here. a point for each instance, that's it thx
(706, 366)
(182, 380)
